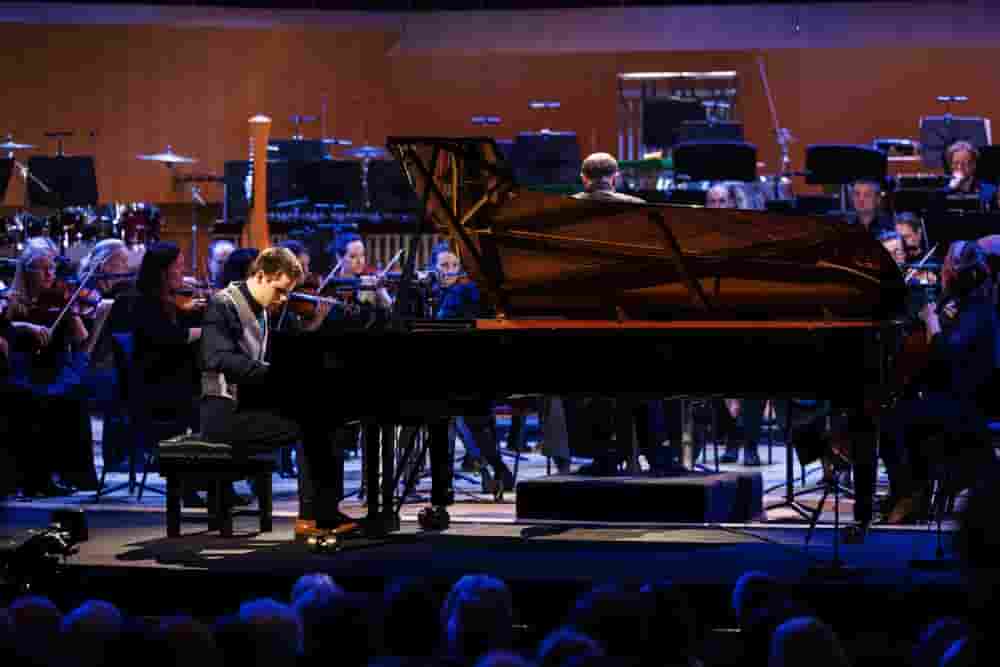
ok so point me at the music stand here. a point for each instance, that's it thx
(6, 167)
(389, 189)
(331, 182)
(72, 181)
(842, 164)
(546, 158)
(716, 161)
(939, 132)
(68, 181)
(709, 130)
(987, 166)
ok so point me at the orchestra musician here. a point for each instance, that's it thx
(319, 314)
(234, 346)
(963, 335)
(893, 243)
(219, 251)
(727, 195)
(458, 298)
(599, 174)
(910, 229)
(47, 360)
(349, 251)
(961, 158)
(866, 200)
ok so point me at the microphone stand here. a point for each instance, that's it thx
(781, 134)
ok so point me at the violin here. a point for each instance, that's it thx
(49, 306)
(305, 300)
(189, 300)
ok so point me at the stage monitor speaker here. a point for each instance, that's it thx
(388, 187)
(662, 120)
(727, 497)
(6, 167)
(840, 164)
(71, 181)
(337, 182)
(546, 158)
(708, 130)
(937, 133)
(716, 161)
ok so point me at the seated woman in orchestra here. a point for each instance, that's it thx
(350, 255)
(458, 298)
(955, 388)
(47, 359)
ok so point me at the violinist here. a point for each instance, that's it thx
(349, 250)
(909, 227)
(164, 359)
(458, 298)
(313, 318)
(47, 359)
(951, 393)
(893, 243)
(219, 251)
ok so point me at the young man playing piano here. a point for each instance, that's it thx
(234, 349)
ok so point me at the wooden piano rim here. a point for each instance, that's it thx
(808, 325)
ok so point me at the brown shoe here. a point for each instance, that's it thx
(903, 511)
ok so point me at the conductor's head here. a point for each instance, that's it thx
(599, 172)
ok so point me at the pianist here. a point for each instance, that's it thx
(599, 173)
(235, 337)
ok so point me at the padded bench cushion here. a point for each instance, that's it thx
(193, 447)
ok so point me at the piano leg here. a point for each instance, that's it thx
(625, 432)
(372, 454)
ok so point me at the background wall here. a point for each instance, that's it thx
(140, 87)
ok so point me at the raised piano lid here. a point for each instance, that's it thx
(543, 255)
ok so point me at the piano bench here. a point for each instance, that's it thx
(188, 460)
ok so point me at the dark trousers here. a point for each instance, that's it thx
(255, 431)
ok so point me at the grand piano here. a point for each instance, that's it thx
(605, 298)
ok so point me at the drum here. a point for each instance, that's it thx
(140, 223)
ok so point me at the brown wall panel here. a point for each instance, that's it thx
(143, 87)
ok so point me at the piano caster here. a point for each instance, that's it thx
(434, 518)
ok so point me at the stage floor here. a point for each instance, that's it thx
(473, 505)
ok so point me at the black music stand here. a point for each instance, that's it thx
(843, 164)
(336, 182)
(716, 161)
(987, 166)
(68, 181)
(939, 132)
(71, 181)
(710, 130)
(546, 158)
(389, 189)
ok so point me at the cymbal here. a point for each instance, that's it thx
(367, 152)
(334, 141)
(13, 146)
(168, 157)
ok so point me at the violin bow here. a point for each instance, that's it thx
(914, 269)
(330, 275)
(69, 304)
